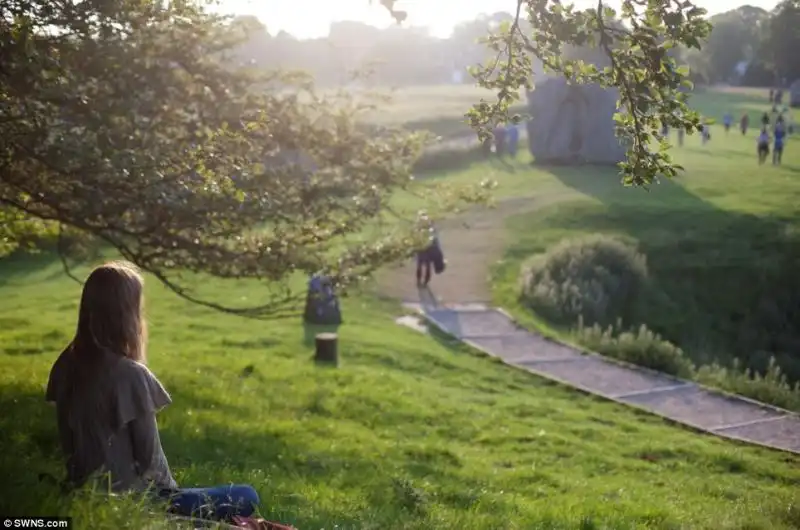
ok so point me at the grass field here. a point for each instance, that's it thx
(439, 109)
(411, 431)
(721, 243)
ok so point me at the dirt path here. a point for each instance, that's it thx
(471, 243)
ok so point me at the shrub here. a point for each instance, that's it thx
(770, 387)
(646, 348)
(597, 279)
(641, 347)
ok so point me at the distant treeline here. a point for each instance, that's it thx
(748, 45)
(396, 56)
(751, 46)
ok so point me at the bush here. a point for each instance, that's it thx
(770, 387)
(597, 279)
(641, 347)
(646, 348)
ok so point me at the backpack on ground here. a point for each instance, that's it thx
(322, 304)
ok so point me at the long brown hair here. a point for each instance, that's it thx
(110, 318)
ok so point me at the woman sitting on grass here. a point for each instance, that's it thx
(106, 401)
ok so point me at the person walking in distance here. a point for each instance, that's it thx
(727, 121)
(777, 150)
(744, 123)
(763, 146)
(705, 132)
(427, 256)
(500, 137)
(513, 139)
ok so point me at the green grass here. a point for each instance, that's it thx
(410, 431)
(721, 244)
(436, 108)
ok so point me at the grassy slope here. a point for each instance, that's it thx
(410, 432)
(721, 240)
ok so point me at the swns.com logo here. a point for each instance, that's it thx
(37, 522)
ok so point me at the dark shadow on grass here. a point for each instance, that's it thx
(21, 264)
(448, 159)
(30, 448)
(427, 298)
(283, 454)
(441, 163)
(217, 454)
(726, 283)
(723, 153)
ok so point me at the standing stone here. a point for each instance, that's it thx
(573, 123)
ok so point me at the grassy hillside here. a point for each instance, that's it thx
(410, 431)
(721, 242)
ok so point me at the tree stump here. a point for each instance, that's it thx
(327, 350)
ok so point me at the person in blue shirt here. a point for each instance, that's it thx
(780, 137)
(500, 138)
(513, 139)
(727, 120)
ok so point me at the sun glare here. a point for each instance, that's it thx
(312, 18)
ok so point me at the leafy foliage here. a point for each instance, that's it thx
(736, 37)
(764, 41)
(596, 279)
(781, 40)
(640, 346)
(131, 122)
(643, 347)
(638, 41)
(771, 386)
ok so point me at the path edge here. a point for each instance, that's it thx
(697, 429)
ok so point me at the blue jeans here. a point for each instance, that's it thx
(220, 503)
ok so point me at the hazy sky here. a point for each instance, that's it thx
(312, 18)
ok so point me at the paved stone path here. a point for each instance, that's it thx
(494, 332)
